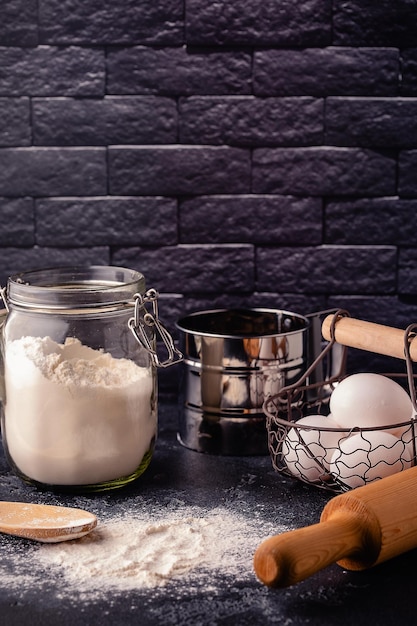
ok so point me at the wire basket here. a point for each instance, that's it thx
(336, 459)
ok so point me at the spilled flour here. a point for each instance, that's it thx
(128, 554)
(187, 546)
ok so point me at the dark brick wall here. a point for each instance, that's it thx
(255, 153)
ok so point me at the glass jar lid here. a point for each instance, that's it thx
(69, 287)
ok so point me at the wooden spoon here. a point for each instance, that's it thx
(44, 522)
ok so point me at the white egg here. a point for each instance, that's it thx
(370, 400)
(407, 434)
(369, 455)
(307, 452)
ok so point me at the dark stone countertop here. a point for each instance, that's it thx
(383, 595)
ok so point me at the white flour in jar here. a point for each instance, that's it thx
(74, 415)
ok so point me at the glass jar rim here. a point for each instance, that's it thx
(74, 286)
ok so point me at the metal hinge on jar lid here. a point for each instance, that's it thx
(146, 326)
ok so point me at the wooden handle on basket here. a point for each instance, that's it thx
(358, 529)
(369, 336)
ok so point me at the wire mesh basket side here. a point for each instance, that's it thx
(334, 459)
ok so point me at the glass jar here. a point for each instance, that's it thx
(79, 401)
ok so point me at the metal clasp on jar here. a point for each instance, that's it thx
(3, 296)
(146, 325)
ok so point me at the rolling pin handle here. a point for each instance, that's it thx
(293, 556)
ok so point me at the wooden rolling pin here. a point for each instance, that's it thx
(357, 529)
(369, 336)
